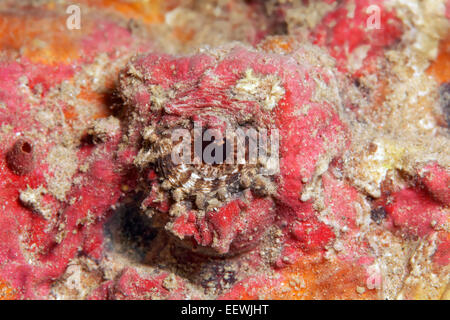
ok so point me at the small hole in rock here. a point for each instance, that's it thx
(26, 147)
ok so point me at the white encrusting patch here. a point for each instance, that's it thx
(266, 90)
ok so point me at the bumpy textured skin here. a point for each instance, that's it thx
(309, 130)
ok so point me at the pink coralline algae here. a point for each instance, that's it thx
(132, 286)
(372, 26)
(417, 210)
(355, 33)
(41, 233)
